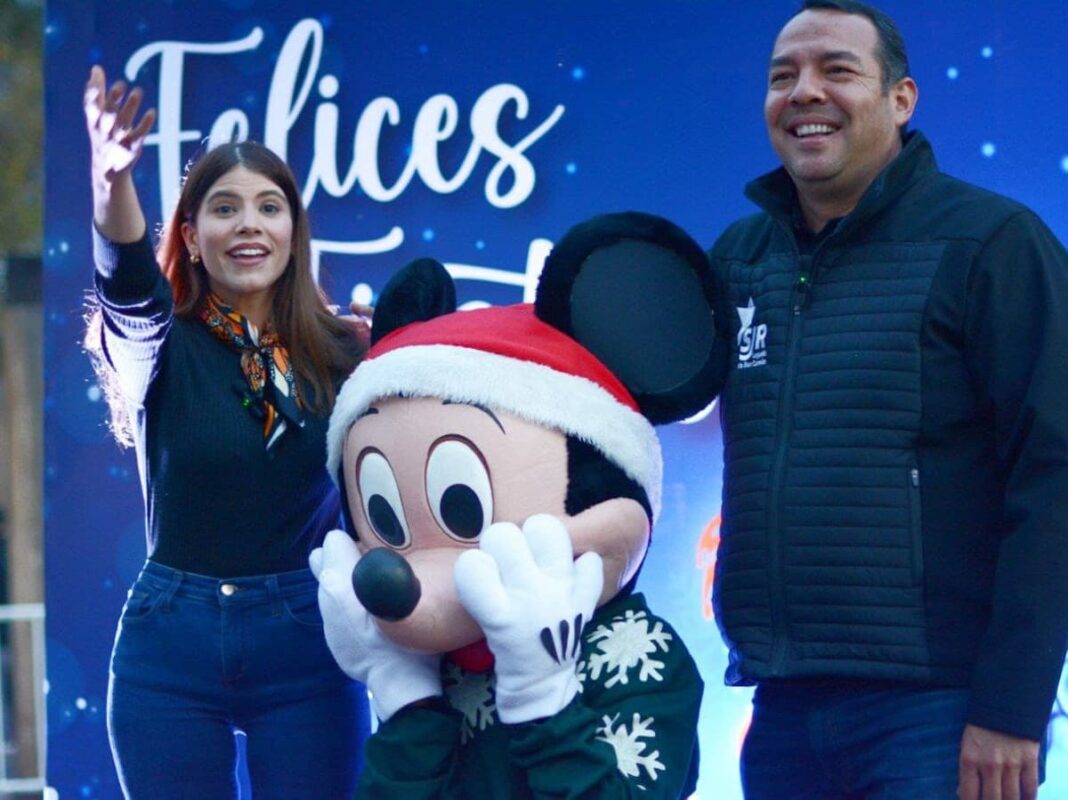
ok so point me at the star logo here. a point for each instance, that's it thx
(746, 314)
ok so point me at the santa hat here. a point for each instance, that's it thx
(506, 358)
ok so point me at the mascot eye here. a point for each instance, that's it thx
(381, 500)
(458, 488)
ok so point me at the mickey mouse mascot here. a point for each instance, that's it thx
(501, 473)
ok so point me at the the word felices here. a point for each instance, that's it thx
(509, 181)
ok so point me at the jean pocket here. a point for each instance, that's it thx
(141, 603)
(303, 608)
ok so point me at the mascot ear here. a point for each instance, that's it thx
(420, 291)
(638, 292)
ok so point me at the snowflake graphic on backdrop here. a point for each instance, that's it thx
(471, 694)
(631, 757)
(628, 642)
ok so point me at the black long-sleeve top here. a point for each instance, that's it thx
(217, 502)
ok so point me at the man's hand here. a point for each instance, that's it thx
(996, 766)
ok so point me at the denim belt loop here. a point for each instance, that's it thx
(275, 593)
(165, 600)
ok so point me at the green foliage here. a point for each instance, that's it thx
(21, 127)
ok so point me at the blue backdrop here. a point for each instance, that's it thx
(477, 133)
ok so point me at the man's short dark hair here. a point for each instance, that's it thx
(891, 50)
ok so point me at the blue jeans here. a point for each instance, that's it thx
(825, 742)
(198, 658)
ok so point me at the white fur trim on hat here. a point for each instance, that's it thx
(570, 404)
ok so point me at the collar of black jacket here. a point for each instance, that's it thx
(775, 192)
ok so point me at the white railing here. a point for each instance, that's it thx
(34, 614)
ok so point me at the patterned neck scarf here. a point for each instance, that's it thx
(273, 395)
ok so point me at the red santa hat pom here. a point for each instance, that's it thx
(506, 358)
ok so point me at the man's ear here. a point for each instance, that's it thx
(905, 94)
(420, 291)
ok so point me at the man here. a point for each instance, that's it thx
(892, 574)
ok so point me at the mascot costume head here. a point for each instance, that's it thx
(499, 465)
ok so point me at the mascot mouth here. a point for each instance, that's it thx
(474, 657)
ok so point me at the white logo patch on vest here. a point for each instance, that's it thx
(752, 339)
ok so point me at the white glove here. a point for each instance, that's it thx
(394, 676)
(531, 599)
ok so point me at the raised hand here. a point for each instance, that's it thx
(116, 135)
(116, 139)
(394, 676)
(531, 599)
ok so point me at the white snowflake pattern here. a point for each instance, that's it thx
(631, 757)
(470, 693)
(628, 642)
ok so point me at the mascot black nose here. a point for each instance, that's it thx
(385, 584)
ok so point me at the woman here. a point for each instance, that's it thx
(221, 365)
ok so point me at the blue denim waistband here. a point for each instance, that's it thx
(246, 590)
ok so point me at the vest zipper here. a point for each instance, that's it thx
(776, 546)
(915, 525)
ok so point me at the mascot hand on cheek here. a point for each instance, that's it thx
(501, 474)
